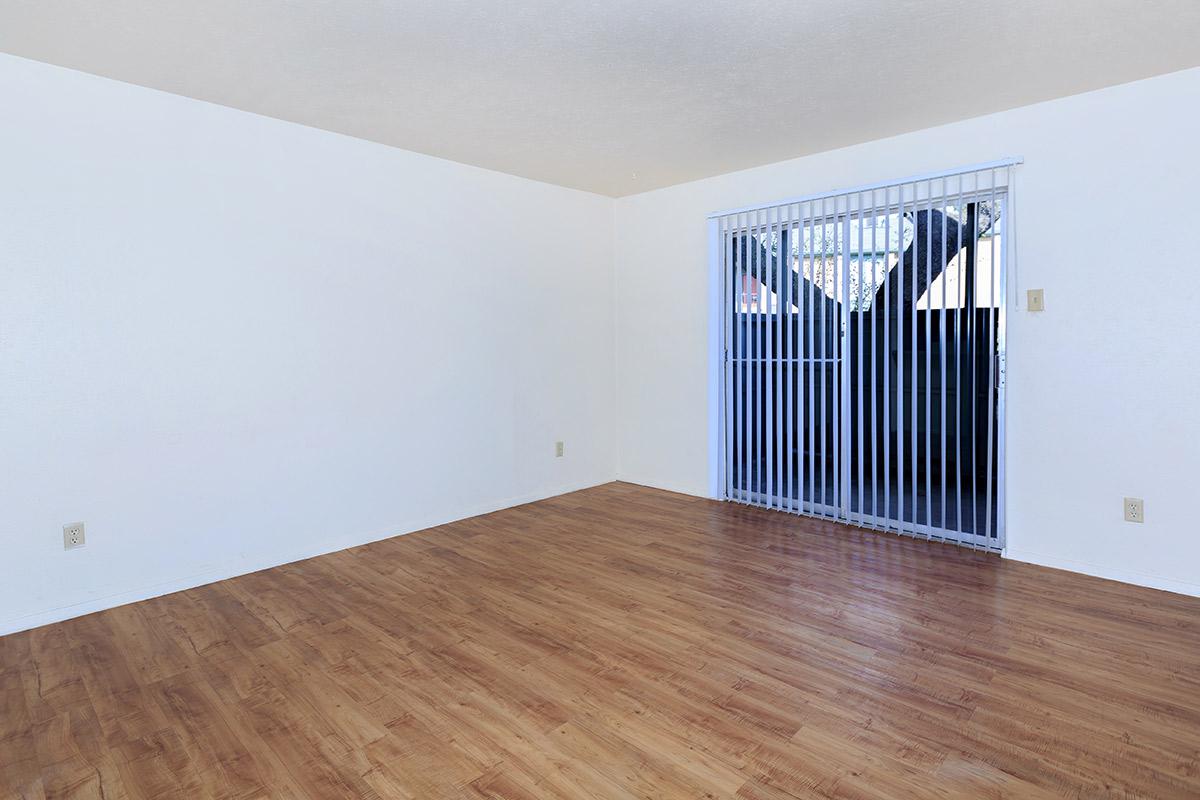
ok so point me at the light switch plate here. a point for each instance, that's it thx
(1035, 300)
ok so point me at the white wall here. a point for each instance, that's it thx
(1103, 386)
(227, 342)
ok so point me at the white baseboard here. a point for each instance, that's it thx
(255, 563)
(1096, 570)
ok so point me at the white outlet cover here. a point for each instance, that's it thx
(73, 536)
(1135, 509)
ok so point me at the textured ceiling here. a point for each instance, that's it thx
(619, 96)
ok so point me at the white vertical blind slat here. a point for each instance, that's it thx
(991, 355)
(886, 357)
(747, 393)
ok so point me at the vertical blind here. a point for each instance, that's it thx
(863, 351)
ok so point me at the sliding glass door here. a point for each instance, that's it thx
(864, 355)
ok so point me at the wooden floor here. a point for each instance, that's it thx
(619, 642)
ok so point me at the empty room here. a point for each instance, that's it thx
(441, 400)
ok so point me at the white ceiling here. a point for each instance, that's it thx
(613, 96)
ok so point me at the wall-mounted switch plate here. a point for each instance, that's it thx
(558, 449)
(73, 536)
(1135, 509)
(1035, 300)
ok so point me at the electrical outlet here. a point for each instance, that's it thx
(558, 449)
(73, 536)
(1135, 509)
(1035, 300)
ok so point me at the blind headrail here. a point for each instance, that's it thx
(946, 173)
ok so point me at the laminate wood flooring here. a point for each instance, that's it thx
(618, 642)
